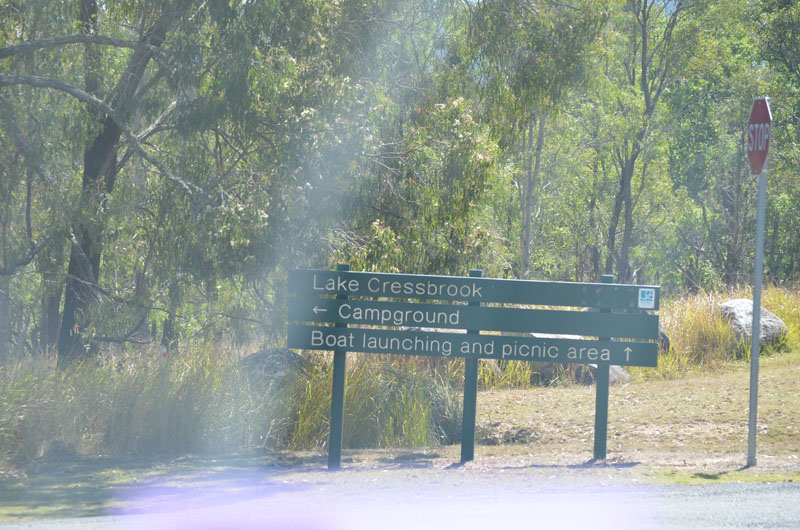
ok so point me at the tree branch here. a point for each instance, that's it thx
(33, 250)
(80, 95)
(55, 42)
(153, 128)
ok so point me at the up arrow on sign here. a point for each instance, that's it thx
(758, 133)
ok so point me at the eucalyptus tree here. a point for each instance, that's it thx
(427, 160)
(778, 28)
(525, 57)
(35, 163)
(712, 236)
(183, 126)
(707, 160)
(654, 43)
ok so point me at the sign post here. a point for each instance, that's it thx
(407, 314)
(601, 382)
(469, 410)
(337, 395)
(758, 134)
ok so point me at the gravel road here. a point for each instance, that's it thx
(461, 497)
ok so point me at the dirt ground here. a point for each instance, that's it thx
(697, 422)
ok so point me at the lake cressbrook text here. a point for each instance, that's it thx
(377, 287)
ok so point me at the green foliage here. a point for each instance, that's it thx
(395, 136)
(785, 303)
(498, 374)
(425, 208)
(528, 58)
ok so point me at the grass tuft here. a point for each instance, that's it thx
(700, 338)
(390, 401)
(201, 402)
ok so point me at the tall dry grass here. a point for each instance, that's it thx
(202, 401)
(389, 401)
(139, 404)
(700, 338)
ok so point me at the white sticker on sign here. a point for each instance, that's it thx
(647, 298)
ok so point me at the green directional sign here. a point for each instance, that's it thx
(405, 314)
(408, 314)
(469, 289)
(473, 346)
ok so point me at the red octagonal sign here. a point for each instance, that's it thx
(758, 133)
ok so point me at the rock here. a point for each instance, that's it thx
(616, 374)
(273, 366)
(739, 314)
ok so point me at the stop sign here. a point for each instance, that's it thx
(758, 133)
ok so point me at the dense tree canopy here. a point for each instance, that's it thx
(166, 162)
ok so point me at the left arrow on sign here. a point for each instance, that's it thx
(317, 310)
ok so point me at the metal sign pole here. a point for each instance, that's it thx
(759, 130)
(756, 327)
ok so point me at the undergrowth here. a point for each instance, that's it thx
(701, 339)
(201, 400)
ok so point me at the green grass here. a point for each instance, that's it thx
(389, 401)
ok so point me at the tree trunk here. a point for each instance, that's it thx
(773, 265)
(84, 261)
(625, 271)
(5, 295)
(99, 175)
(51, 304)
(623, 207)
(170, 323)
(5, 319)
(732, 206)
(529, 186)
(613, 225)
(594, 248)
